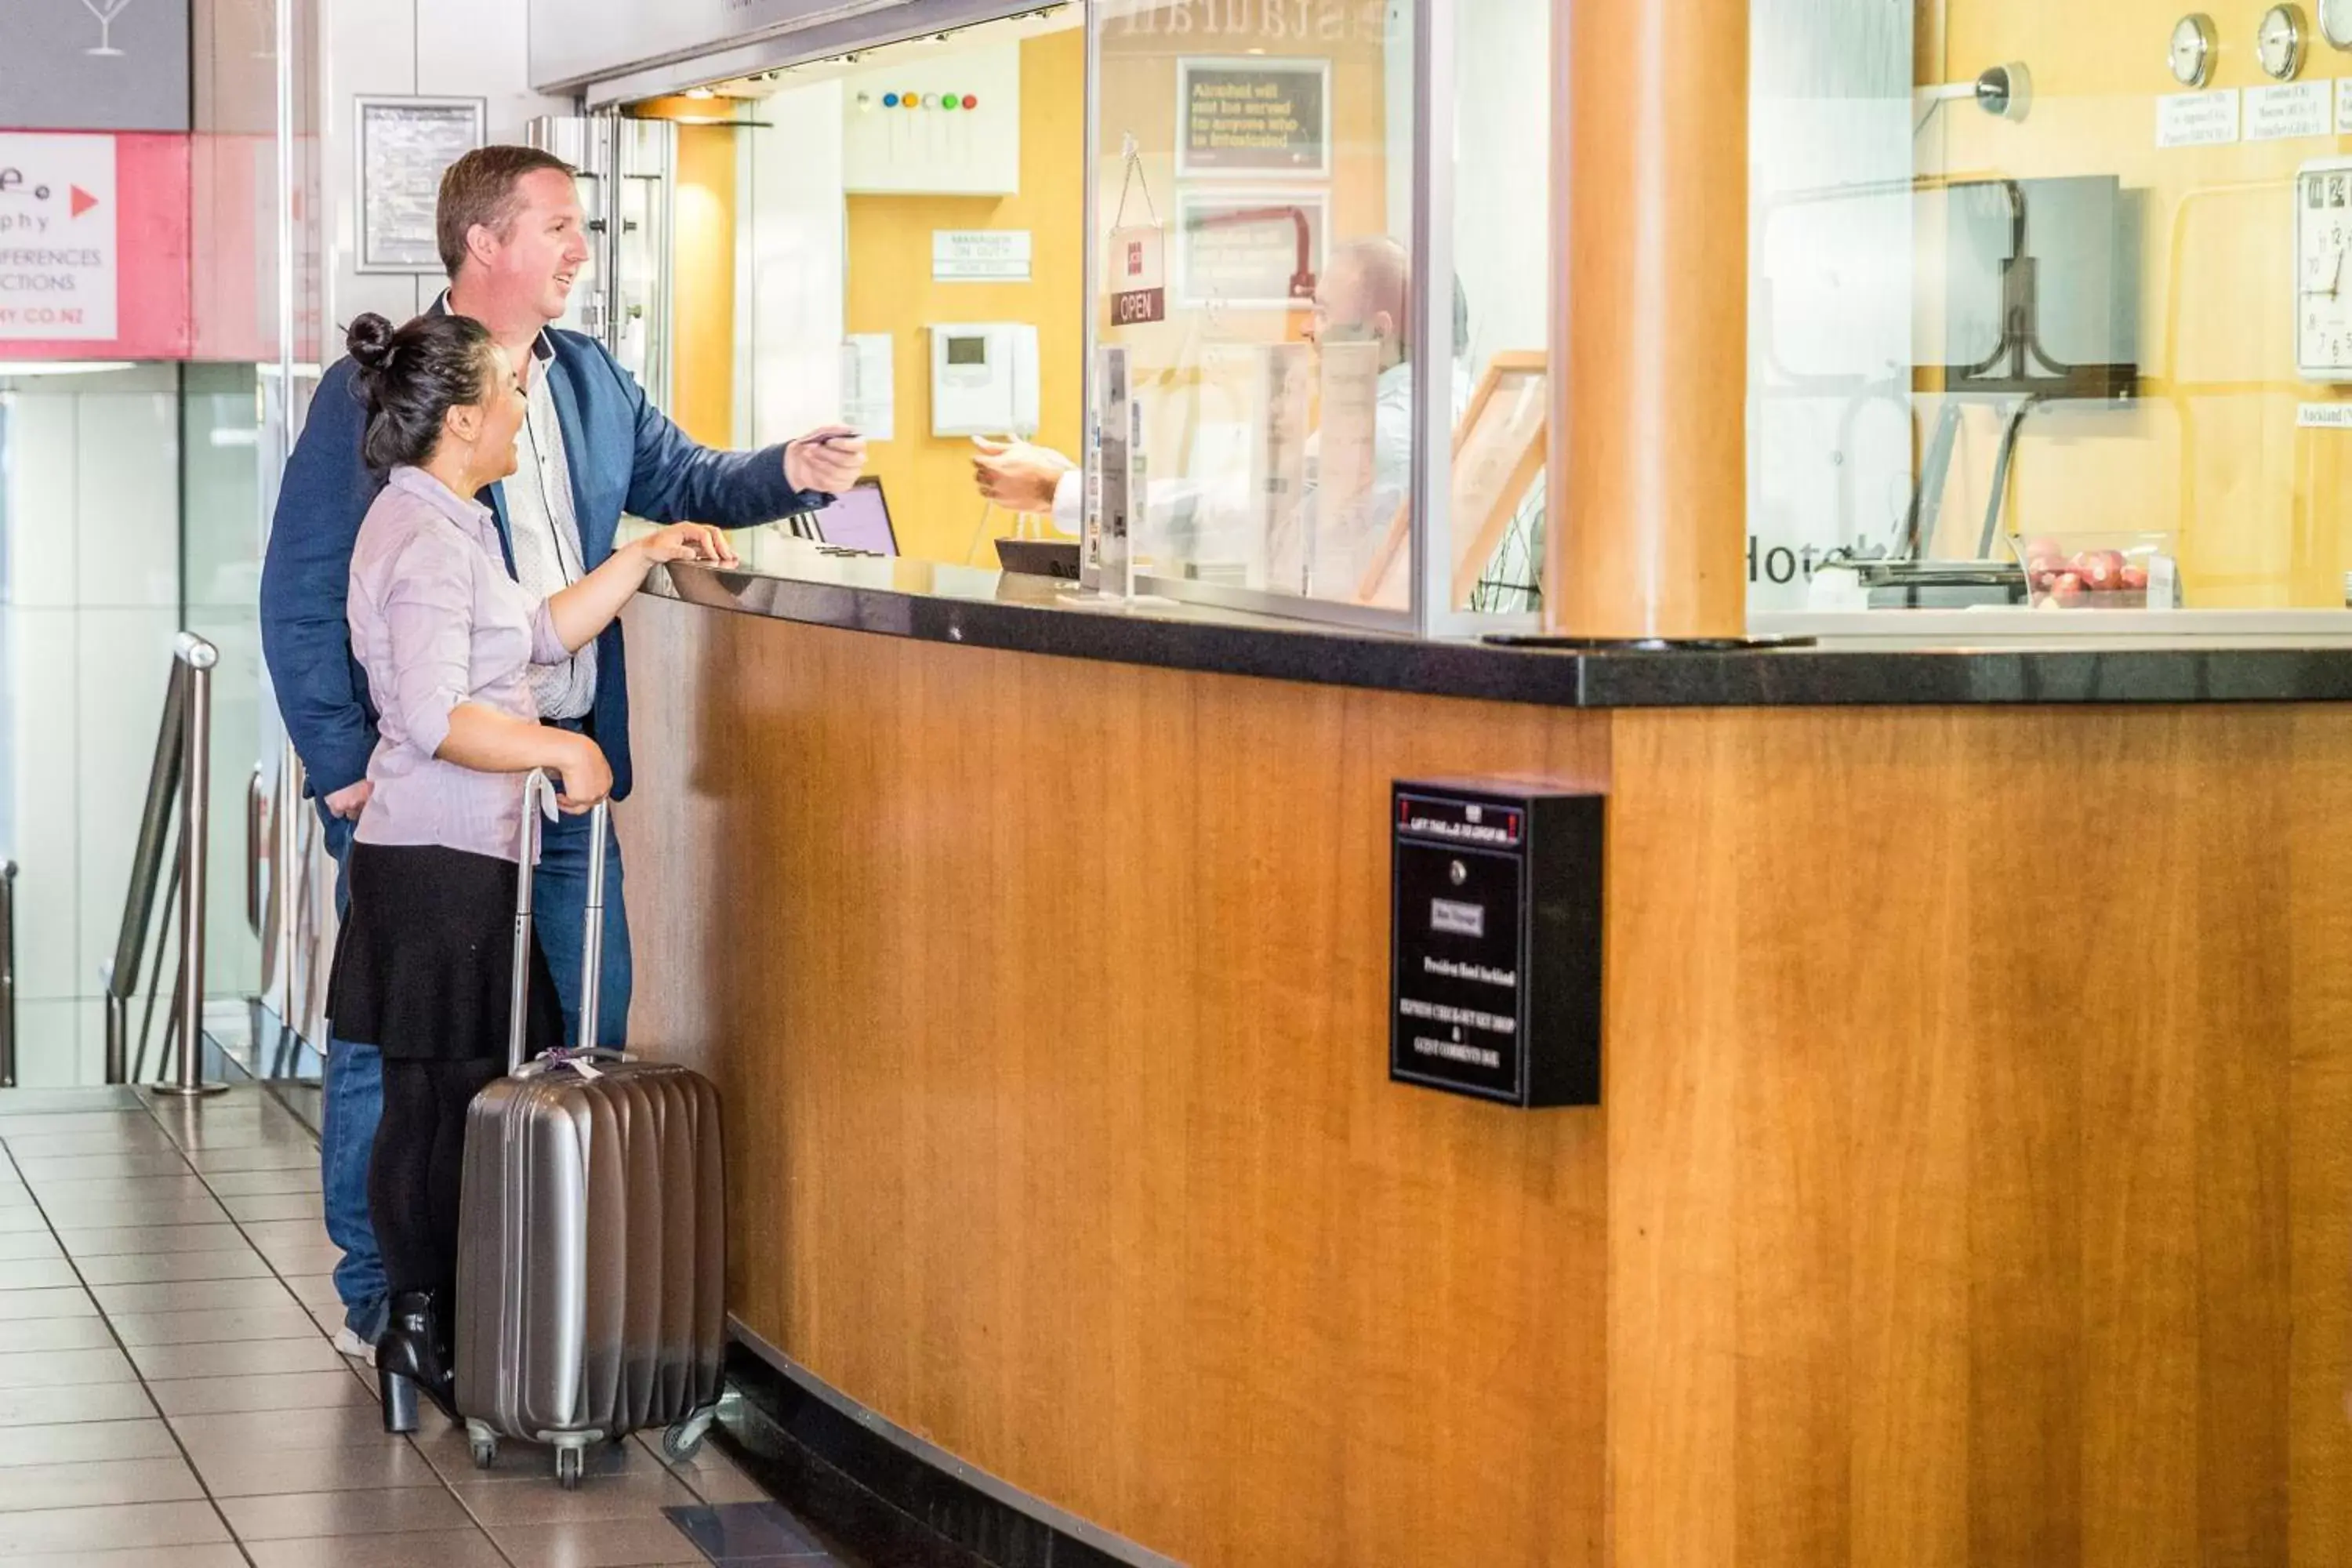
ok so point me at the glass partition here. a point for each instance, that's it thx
(1317, 236)
(1490, 504)
(892, 238)
(2045, 321)
(1254, 230)
(1321, 254)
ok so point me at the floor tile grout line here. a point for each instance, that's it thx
(179, 1443)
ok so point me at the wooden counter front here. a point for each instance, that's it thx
(1974, 1183)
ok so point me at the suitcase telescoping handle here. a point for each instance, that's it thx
(537, 787)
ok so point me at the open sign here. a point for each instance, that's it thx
(1138, 275)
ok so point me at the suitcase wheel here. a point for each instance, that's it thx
(570, 1463)
(485, 1446)
(682, 1442)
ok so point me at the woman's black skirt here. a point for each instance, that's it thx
(425, 962)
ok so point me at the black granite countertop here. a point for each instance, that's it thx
(1041, 616)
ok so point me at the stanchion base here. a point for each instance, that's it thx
(185, 1092)
(1549, 644)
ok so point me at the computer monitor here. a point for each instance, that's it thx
(859, 519)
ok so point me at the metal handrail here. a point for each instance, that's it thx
(7, 974)
(181, 774)
(257, 827)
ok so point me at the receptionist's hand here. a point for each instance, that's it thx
(1018, 476)
(828, 458)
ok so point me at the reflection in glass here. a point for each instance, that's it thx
(2007, 346)
(1276, 388)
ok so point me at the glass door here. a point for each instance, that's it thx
(645, 164)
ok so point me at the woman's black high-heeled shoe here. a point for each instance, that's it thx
(412, 1359)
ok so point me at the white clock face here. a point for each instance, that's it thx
(2192, 51)
(2323, 276)
(2336, 22)
(2278, 43)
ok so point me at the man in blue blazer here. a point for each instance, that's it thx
(513, 238)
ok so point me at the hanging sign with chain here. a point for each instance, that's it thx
(1139, 253)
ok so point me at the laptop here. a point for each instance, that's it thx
(859, 519)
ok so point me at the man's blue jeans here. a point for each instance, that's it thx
(351, 1104)
(352, 1098)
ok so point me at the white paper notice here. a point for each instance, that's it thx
(2324, 415)
(2288, 110)
(58, 254)
(2344, 106)
(2197, 119)
(980, 255)
(869, 401)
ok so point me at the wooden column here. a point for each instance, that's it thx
(1648, 457)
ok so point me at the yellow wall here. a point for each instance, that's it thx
(929, 482)
(702, 379)
(2211, 452)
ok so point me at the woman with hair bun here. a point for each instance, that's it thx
(424, 963)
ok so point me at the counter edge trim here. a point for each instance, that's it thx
(934, 1457)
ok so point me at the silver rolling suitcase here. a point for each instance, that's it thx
(592, 1256)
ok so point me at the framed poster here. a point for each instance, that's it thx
(404, 144)
(1250, 250)
(1498, 451)
(1259, 118)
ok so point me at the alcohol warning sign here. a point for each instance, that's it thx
(58, 255)
(1254, 117)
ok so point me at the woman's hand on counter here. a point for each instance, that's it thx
(686, 541)
(588, 606)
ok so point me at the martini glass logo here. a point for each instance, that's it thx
(106, 11)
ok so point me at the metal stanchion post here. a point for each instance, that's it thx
(195, 822)
(118, 1034)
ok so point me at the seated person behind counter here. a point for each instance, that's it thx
(1364, 296)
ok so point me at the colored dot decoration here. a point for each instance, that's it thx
(930, 100)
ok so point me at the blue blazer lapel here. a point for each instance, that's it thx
(596, 530)
(495, 498)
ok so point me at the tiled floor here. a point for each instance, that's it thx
(169, 1396)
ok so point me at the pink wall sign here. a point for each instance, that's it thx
(94, 254)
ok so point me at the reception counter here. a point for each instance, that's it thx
(1973, 1183)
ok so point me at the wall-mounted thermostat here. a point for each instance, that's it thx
(984, 379)
(2323, 270)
